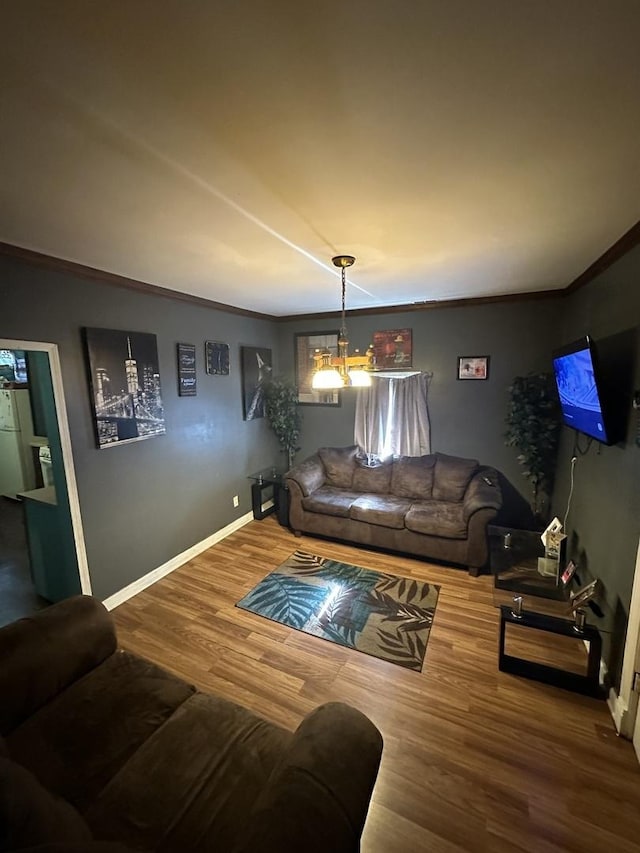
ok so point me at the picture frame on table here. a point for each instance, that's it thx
(584, 595)
(569, 572)
(306, 346)
(473, 367)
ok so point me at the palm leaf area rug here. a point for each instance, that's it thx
(382, 615)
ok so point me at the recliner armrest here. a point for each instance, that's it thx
(309, 475)
(45, 653)
(318, 795)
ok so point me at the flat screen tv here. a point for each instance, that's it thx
(581, 391)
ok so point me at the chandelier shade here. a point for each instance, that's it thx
(333, 372)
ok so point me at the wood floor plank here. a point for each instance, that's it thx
(474, 760)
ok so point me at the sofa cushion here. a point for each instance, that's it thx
(339, 465)
(385, 510)
(452, 476)
(30, 815)
(330, 501)
(208, 764)
(412, 477)
(309, 475)
(118, 705)
(437, 518)
(372, 479)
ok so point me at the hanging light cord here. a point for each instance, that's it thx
(343, 329)
(574, 459)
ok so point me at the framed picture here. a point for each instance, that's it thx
(124, 379)
(187, 381)
(569, 572)
(216, 358)
(256, 367)
(473, 367)
(584, 595)
(393, 349)
(307, 344)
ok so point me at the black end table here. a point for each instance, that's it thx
(514, 557)
(545, 607)
(588, 684)
(265, 481)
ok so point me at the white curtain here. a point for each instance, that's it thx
(392, 418)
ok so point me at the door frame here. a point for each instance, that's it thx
(625, 706)
(67, 455)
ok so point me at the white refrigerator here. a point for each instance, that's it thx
(17, 472)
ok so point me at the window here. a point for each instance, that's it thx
(392, 418)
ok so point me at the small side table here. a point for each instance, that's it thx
(263, 481)
(586, 684)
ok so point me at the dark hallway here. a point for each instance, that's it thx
(17, 594)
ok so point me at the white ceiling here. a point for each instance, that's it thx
(229, 148)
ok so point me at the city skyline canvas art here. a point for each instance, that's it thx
(126, 395)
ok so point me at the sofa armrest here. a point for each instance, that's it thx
(309, 475)
(483, 492)
(317, 797)
(42, 655)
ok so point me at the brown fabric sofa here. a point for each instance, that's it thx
(102, 750)
(434, 506)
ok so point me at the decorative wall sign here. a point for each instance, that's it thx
(256, 369)
(473, 367)
(187, 380)
(307, 344)
(125, 386)
(393, 349)
(216, 357)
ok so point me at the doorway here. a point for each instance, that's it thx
(625, 706)
(42, 550)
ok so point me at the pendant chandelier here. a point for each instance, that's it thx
(344, 370)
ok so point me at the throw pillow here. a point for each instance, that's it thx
(30, 815)
(339, 464)
(412, 477)
(371, 460)
(452, 477)
(375, 479)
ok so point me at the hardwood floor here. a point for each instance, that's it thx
(474, 759)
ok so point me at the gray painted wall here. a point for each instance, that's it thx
(467, 417)
(604, 521)
(145, 502)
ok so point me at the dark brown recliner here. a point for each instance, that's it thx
(102, 746)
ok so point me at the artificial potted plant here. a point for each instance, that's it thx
(534, 430)
(281, 409)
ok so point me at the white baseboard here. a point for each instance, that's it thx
(174, 563)
(617, 706)
(618, 709)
